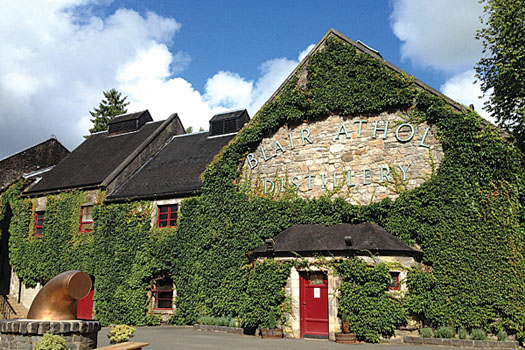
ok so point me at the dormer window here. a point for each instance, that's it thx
(228, 123)
(128, 122)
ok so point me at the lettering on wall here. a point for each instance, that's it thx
(349, 154)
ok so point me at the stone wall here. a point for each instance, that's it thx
(369, 157)
(23, 334)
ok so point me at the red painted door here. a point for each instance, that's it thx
(314, 304)
(85, 307)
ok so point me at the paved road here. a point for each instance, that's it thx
(165, 338)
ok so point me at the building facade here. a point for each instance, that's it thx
(356, 189)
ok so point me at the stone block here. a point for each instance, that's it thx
(44, 327)
(75, 326)
(32, 327)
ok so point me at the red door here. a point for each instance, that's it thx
(85, 307)
(314, 304)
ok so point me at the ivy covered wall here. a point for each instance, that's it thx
(123, 253)
(467, 218)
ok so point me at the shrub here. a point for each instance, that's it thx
(51, 342)
(232, 323)
(426, 332)
(120, 333)
(445, 332)
(478, 334)
(222, 321)
(364, 302)
(502, 335)
(462, 333)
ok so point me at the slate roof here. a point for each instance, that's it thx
(174, 171)
(308, 240)
(93, 161)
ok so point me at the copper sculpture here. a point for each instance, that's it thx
(58, 299)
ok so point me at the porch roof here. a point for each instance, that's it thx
(336, 240)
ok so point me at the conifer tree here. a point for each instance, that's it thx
(112, 105)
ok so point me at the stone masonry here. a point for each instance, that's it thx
(370, 158)
(23, 334)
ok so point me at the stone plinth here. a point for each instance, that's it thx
(23, 334)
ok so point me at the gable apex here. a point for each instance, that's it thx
(361, 48)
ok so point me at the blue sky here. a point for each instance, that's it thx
(198, 58)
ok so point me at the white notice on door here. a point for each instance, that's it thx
(317, 293)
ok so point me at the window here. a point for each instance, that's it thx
(394, 280)
(39, 223)
(86, 219)
(167, 215)
(163, 294)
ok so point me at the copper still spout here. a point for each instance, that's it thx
(58, 299)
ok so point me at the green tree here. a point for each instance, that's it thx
(112, 105)
(502, 70)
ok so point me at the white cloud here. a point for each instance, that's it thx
(57, 58)
(228, 89)
(53, 68)
(462, 88)
(305, 52)
(441, 35)
(438, 34)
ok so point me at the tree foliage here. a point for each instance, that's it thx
(502, 70)
(112, 105)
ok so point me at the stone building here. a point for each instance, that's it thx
(30, 163)
(347, 136)
(135, 159)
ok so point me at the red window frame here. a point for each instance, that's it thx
(39, 223)
(394, 280)
(158, 289)
(84, 223)
(167, 215)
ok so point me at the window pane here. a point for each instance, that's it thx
(163, 223)
(316, 278)
(173, 223)
(87, 213)
(163, 217)
(164, 304)
(394, 280)
(87, 227)
(173, 207)
(39, 230)
(39, 218)
(165, 295)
